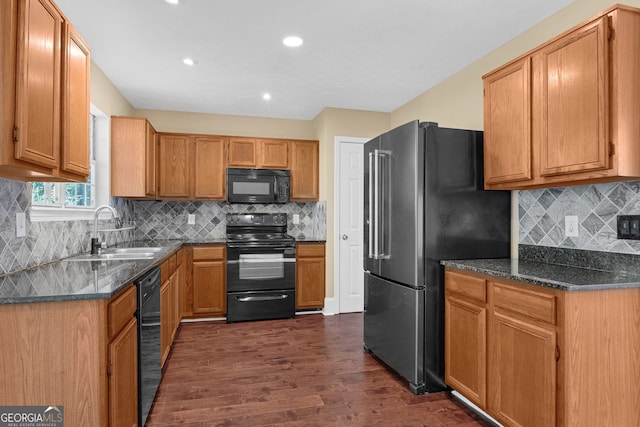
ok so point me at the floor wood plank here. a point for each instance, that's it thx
(307, 371)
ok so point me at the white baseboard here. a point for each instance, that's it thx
(330, 307)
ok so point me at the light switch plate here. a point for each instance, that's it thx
(191, 219)
(571, 226)
(21, 224)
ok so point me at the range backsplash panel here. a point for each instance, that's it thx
(169, 219)
(542, 214)
(46, 241)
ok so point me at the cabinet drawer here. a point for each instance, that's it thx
(310, 250)
(121, 309)
(209, 252)
(464, 285)
(535, 305)
(173, 263)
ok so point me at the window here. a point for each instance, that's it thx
(58, 201)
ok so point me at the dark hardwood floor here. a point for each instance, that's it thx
(307, 371)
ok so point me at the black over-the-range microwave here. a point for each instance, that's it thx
(258, 185)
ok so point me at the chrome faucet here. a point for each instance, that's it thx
(96, 245)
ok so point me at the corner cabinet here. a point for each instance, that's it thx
(83, 354)
(44, 63)
(566, 112)
(310, 275)
(133, 158)
(533, 356)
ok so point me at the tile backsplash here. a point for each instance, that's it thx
(542, 213)
(46, 241)
(50, 241)
(168, 219)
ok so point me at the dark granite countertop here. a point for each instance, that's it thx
(66, 280)
(304, 239)
(549, 275)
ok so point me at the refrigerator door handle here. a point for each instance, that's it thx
(371, 199)
(376, 202)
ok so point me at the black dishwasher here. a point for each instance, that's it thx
(149, 368)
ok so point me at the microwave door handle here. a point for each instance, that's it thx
(275, 188)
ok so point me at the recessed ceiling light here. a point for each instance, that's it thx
(292, 41)
(189, 61)
(172, 1)
(266, 96)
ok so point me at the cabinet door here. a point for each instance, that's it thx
(243, 153)
(575, 122)
(165, 320)
(75, 104)
(310, 282)
(507, 124)
(465, 337)
(37, 137)
(150, 144)
(522, 373)
(274, 154)
(123, 377)
(209, 290)
(174, 166)
(305, 170)
(210, 167)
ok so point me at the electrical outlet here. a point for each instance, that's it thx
(21, 226)
(191, 219)
(296, 218)
(571, 226)
(628, 227)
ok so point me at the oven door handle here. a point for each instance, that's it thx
(259, 261)
(262, 298)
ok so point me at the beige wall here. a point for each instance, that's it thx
(106, 96)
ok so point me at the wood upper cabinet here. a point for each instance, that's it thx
(75, 99)
(174, 166)
(133, 157)
(310, 275)
(466, 336)
(258, 153)
(305, 170)
(45, 79)
(507, 122)
(191, 166)
(566, 112)
(209, 275)
(210, 171)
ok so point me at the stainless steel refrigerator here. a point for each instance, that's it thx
(424, 202)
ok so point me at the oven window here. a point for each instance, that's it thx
(261, 266)
(251, 187)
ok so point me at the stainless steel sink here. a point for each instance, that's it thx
(112, 256)
(139, 250)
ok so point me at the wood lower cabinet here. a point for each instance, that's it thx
(208, 281)
(123, 360)
(305, 166)
(466, 336)
(566, 112)
(133, 157)
(44, 76)
(78, 354)
(170, 304)
(310, 275)
(551, 355)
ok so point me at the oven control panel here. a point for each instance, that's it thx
(277, 219)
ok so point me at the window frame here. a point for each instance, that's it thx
(100, 165)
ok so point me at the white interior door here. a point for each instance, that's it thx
(350, 216)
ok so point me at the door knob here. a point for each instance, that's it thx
(345, 237)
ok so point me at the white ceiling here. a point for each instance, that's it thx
(360, 54)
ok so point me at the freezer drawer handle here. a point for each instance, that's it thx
(262, 298)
